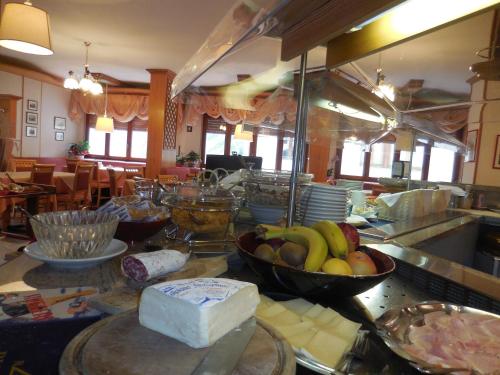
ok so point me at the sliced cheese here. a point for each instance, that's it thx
(294, 329)
(301, 339)
(299, 305)
(345, 329)
(326, 348)
(314, 312)
(271, 311)
(197, 311)
(286, 317)
(326, 316)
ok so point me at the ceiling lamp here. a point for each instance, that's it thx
(88, 84)
(384, 89)
(105, 123)
(26, 29)
(241, 134)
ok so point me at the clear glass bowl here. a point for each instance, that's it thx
(74, 234)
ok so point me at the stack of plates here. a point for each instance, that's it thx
(323, 202)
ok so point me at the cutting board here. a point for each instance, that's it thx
(126, 297)
(119, 345)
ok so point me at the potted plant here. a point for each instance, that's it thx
(192, 159)
(179, 160)
(78, 150)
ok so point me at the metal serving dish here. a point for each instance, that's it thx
(395, 324)
(313, 284)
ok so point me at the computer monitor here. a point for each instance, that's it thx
(232, 162)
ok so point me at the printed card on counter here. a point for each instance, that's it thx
(46, 304)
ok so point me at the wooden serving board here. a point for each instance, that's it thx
(126, 297)
(119, 345)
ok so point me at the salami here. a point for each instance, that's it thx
(146, 266)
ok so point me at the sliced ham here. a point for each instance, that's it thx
(461, 340)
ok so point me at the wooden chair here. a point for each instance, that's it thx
(22, 165)
(96, 184)
(44, 174)
(168, 179)
(131, 172)
(79, 195)
(114, 189)
(71, 165)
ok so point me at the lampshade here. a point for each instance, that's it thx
(242, 135)
(96, 88)
(25, 28)
(104, 124)
(70, 82)
(404, 141)
(86, 84)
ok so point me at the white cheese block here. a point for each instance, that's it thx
(197, 311)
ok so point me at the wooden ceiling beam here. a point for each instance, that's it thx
(375, 37)
(104, 78)
(330, 20)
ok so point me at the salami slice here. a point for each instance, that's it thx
(146, 266)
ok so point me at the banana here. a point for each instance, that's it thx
(337, 243)
(307, 237)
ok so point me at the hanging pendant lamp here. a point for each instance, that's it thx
(105, 123)
(26, 29)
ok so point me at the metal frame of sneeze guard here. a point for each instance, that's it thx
(246, 21)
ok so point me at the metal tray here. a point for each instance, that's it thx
(394, 325)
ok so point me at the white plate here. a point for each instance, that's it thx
(115, 248)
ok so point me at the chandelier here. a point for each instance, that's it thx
(87, 83)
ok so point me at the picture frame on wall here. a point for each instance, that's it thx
(32, 118)
(471, 143)
(32, 105)
(59, 123)
(496, 155)
(59, 136)
(31, 131)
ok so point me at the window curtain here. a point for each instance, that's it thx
(123, 108)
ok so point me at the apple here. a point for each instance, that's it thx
(361, 263)
(351, 234)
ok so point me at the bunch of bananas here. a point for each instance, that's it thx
(322, 237)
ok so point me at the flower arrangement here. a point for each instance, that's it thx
(78, 149)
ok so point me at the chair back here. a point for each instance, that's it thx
(113, 183)
(71, 165)
(83, 176)
(42, 174)
(131, 172)
(168, 179)
(23, 165)
(95, 171)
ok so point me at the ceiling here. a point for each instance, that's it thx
(129, 36)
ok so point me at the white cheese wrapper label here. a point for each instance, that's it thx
(146, 266)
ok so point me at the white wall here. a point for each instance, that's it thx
(52, 101)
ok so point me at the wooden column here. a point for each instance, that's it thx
(159, 99)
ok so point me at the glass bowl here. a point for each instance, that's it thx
(74, 234)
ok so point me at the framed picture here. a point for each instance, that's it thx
(189, 129)
(59, 123)
(31, 131)
(471, 142)
(59, 136)
(496, 160)
(32, 105)
(32, 118)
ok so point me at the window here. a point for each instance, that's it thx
(381, 157)
(97, 142)
(353, 156)
(287, 154)
(417, 162)
(441, 165)
(128, 141)
(215, 143)
(267, 147)
(239, 147)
